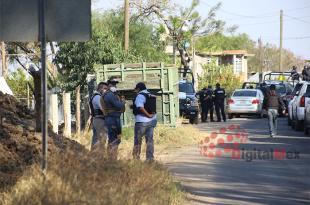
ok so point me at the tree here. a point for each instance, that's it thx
(224, 74)
(18, 82)
(106, 47)
(220, 42)
(30, 52)
(181, 26)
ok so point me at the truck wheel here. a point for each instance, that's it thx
(230, 116)
(194, 120)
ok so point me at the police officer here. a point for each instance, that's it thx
(113, 106)
(219, 102)
(210, 103)
(99, 128)
(294, 73)
(306, 73)
(203, 103)
(205, 97)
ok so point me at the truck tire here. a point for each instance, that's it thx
(230, 116)
(194, 120)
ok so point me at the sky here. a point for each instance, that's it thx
(257, 18)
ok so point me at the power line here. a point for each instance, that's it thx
(264, 15)
(269, 22)
(298, 19)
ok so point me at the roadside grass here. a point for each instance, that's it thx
(165, 137)
(89, 178)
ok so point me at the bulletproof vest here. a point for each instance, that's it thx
(109, 109)
(94, 112)
(149, 106)
(219, 94)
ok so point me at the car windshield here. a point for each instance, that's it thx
(280, 88)
(186, 88)
(245, 93)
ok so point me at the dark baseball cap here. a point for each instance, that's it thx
(140, 86)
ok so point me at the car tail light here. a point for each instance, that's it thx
(302, 101)
(231, 101)
(256, 101)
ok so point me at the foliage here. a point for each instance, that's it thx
(106, 47)
(271, 60)
(181, 25)
(18, 82)
(222, 74)
(76, 178)
(220, 42)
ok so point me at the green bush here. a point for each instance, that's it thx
(222, 74)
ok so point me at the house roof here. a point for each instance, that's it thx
(225, 52)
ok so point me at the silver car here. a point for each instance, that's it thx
(245, 101)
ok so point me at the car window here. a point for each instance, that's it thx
(186, 88)
(308, 89)
(245, 93)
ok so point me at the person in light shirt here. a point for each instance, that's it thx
(144, 109)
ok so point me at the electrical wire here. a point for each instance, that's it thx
(298, 19)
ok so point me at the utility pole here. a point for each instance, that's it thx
(3, 54)
(260, 59)
(126, 7)
(281, 39)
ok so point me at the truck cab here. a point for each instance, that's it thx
(189, 106)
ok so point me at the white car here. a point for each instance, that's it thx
(245, 101)
(294, 95)
(297, 106)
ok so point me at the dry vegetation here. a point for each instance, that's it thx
(73, 179)
(77, 176)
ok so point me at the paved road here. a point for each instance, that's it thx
(223, 180)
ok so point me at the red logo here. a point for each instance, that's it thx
(225, 141)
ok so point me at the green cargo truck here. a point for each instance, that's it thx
(160, 79)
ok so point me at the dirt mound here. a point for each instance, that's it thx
(20, 146)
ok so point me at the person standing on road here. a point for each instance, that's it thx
(219, 102)
(306, 73)
(205, 97)
(144, 109)
(98, 122)
(273, 103)
(113, 106)
(203, 103)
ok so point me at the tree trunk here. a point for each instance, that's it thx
(37, 97)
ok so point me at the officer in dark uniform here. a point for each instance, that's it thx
(219, 96)
(210, 103)
(203, 103)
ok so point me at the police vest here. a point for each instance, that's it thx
(149, 106)
(94, 112)
(219, 94)
(106, 109)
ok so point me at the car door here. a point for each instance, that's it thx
(293, 103)
(297, 100)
